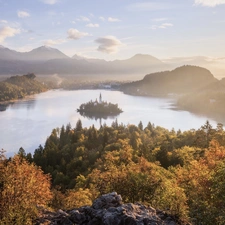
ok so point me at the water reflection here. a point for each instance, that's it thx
(3, 107)
(96, 116)
(29, 122)
(28, 104)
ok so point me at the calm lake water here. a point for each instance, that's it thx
(29, 122)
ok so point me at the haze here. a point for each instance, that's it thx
(119, 29)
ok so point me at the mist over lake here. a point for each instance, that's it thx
(27, 123)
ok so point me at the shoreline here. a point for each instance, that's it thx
(27, 97)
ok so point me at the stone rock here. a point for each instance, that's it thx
(108, 210)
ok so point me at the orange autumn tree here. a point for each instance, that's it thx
(24, 187)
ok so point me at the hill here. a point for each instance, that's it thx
(182, 80)
(17, 87)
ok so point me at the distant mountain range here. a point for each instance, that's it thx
(42, 53)
(47, 60)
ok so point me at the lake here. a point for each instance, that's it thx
(27, 123)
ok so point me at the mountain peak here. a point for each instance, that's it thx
(78, 57)
(144, 58)
(2, 47)
(45, 47)
(46, 53)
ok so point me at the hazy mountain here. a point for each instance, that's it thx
(215, 65)
(8, 54)
(46, 60)
(42, 53)
(223, 81)
(185, 79)
(78, 57)
(217, 86)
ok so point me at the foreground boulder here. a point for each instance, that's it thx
(108, 210)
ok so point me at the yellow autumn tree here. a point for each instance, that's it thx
(24, 187)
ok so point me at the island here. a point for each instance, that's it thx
(99, 109)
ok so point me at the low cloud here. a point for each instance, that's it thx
(83, 19)
(22, 14)
(92, 25)
(50, 2)
(209, 3)
(162, 26)
(51, 42)
(3, 21)
(159, 19)
(149, 6)
(108, 44)
(7, 31)
(76, 34)
(111, 19)
(102, 18)
(165, 25)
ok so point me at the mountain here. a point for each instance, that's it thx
(215, 65)
(78, 57)
(42, 53)
(143, 59)
(182, 80)
(8, 54)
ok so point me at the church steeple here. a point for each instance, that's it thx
(100, 98)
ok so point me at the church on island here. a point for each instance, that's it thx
(99, 107)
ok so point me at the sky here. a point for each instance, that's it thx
(115, 29)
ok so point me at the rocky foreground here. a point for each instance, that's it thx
(108, 210)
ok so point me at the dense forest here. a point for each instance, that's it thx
(179, 172)
(208, 103)
(17, 87)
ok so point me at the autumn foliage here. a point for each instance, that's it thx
(24, 187)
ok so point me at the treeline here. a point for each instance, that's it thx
(208, 103)
(179, 172)
(17, 87)
(102, 107)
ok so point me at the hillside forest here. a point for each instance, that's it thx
(180, 172)
(17, 87)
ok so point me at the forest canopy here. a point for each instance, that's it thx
(180, 172)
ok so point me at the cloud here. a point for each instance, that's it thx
(50, 2)
(83, 19)
(102, 18)
(7, 32)
(108, 44)
(209, 3)
(22, 14)
(149, 6)
(165, 25)
(162, 26)
(3, 21)
(76, 34)
(54, 42)
(92, 25)
(159, 19)
(111, 19)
